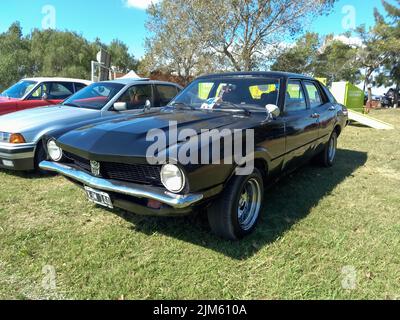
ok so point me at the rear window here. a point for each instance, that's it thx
(79, 86)
(166, 93)
(61, 90)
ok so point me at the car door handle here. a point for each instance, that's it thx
(332, 108)
(315, 115)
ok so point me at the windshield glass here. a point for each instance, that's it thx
(19, 90)
(95, 96)
(235, 92)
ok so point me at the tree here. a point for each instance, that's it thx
(238, 33)
(337, 61)
(60, 53)
(15, 61)
(121, 58)
(175, 47)
(300, 58)
(53, 53)
(329, 58)
(389, 33)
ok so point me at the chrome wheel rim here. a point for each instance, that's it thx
(249, 204)
(332, 148)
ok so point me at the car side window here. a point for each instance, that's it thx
(165, 94)
(313, 94)
(295, 99)
(60, 90)
(38, 93)
(136, 96)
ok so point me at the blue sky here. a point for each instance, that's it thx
(109, 19)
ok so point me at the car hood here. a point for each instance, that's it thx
(27, 120)
(126, 137)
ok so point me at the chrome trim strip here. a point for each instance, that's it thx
(130, 189)
(15, 147)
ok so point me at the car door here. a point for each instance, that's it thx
(8, 106)
(321, 105)
(164, 94)
(301, 125)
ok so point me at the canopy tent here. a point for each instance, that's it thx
(130, 75)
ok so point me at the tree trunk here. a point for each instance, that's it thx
(368, 82)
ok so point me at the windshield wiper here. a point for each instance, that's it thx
(182, 105)
(234, 106)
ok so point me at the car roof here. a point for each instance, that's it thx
(47, 79)
(274, 74)
(128, 81)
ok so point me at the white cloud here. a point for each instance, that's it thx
(139, 4)
(351, 41)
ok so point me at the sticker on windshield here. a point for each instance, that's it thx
(209, 104)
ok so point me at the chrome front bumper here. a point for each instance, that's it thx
(126, 188)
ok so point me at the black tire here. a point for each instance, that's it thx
(40, 155)
(327, 157)
(223, 215)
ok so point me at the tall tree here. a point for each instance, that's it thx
(389, 32)
(57, 53)
(328, 58)
(53, 53)
(15, 60)
(121, 58)
(337, 61)
(174, 47)
(238, 32)
(300, 58)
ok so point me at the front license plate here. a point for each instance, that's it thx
(99, 197)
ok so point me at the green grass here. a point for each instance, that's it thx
(316, 222)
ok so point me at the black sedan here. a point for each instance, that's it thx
(215, 146)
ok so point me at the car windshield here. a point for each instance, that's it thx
(19, 90)
(229, 93)
(95, 96)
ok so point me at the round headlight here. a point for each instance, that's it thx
(55, 152)
(172, 178)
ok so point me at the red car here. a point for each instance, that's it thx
(38, 92)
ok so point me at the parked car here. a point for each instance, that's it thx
(37, 92)
(387, 100)
(21, 131)
(294, 118)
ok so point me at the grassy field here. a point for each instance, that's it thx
(326, 234)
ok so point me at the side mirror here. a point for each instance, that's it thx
(147, 105)
(273, 110)
(45, 96)
(120, 106)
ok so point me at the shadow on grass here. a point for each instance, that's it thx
(287, 202)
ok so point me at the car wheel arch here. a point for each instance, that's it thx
(338, 130)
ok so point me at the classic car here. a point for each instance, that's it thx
(21, 132)
(37, 92)
(294, 118)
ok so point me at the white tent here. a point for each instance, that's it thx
(130, 75)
